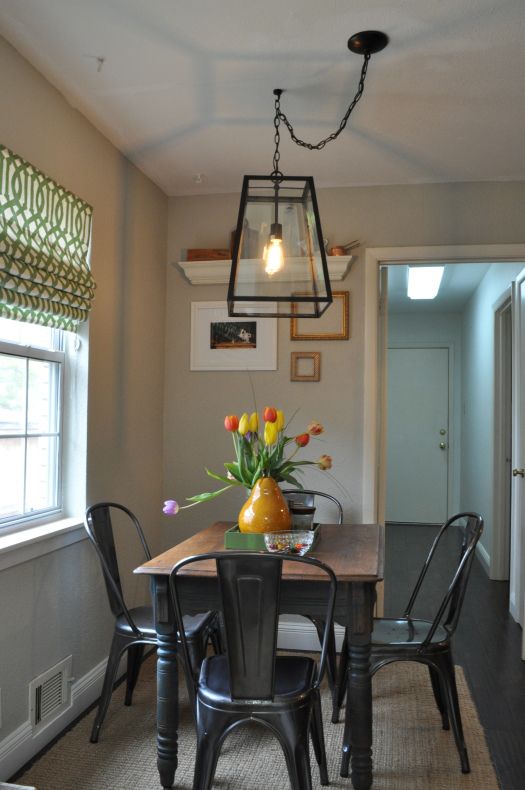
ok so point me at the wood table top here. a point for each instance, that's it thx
(355, 552)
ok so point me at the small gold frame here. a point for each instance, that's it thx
(301, 328)
(314, 357)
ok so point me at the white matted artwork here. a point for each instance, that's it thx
(219, 342)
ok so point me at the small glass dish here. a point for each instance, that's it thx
(295, 541)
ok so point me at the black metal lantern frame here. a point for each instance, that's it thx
(279, 267)
(285, 212)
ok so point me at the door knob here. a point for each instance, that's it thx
(442, 445)
(518, 473)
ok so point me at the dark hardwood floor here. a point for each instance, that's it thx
(487, 644)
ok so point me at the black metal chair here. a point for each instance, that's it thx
(134, 628)
(250, 682)
(429, 641)
(305, 496)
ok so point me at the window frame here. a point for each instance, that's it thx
(27, 351)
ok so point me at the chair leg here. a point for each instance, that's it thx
(209, 735)
(340, 690)
(197, 650)
(294, 740)
(317, 734)
(438, 696)
(331, 656)
(347, 749)
(118, 644)
(135, 656)
(449, 687)
(215, 635)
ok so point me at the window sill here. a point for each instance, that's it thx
(28, 544)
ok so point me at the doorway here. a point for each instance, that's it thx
(375, 391)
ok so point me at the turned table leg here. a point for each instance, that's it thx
(357, 737)
(167, 683)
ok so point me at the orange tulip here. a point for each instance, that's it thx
(231, 422)
(302, 440)
(270, 414)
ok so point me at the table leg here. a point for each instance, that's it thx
(167, 683)
(357, 737)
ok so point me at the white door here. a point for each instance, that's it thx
(517, 553)
(417, 438)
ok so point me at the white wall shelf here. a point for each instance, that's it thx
(218, 272)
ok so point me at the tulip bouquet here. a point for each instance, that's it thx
(269, 453)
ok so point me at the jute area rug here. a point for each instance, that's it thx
(411, 751)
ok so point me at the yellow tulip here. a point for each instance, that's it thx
(270, 433)
(280, 420)
(254, 422)
(244, 424)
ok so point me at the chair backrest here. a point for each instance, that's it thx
(307, 497)
(249, 587)
(450, 606)
(98, 525)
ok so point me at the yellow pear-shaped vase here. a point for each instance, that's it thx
(265, 510)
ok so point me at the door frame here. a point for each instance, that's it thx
(500, 551)
(517, 557)
(451, 433)
(374, 460)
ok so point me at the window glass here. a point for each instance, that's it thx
(13, 372)
(12, 478)
(28, 334)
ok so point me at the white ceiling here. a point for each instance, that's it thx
(184, 87)
(459, 282)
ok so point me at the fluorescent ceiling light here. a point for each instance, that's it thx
(424, 281)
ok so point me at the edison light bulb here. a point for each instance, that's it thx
(274, 256)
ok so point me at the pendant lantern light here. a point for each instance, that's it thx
(279, 267)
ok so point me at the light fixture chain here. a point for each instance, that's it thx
(321, 144)
(277, 136)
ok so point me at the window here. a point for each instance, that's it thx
(31, 397)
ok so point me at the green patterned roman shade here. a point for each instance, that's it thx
(44, 242)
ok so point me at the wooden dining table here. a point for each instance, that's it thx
(355, 552)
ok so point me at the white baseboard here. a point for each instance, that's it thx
(483, 557)
(301, 635)
(22, 744)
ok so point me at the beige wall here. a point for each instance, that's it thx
(56, 605)
(473, 213)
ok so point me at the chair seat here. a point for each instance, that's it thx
(144, 620)
(293, 678)
(395, 633)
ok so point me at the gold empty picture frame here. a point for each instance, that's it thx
(305, 366)
(332, 325)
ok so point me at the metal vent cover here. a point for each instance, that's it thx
(50, 693)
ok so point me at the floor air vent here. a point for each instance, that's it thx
(50, 693)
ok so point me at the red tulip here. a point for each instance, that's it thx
(231, 422)
(302, 440)
(270, 414)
